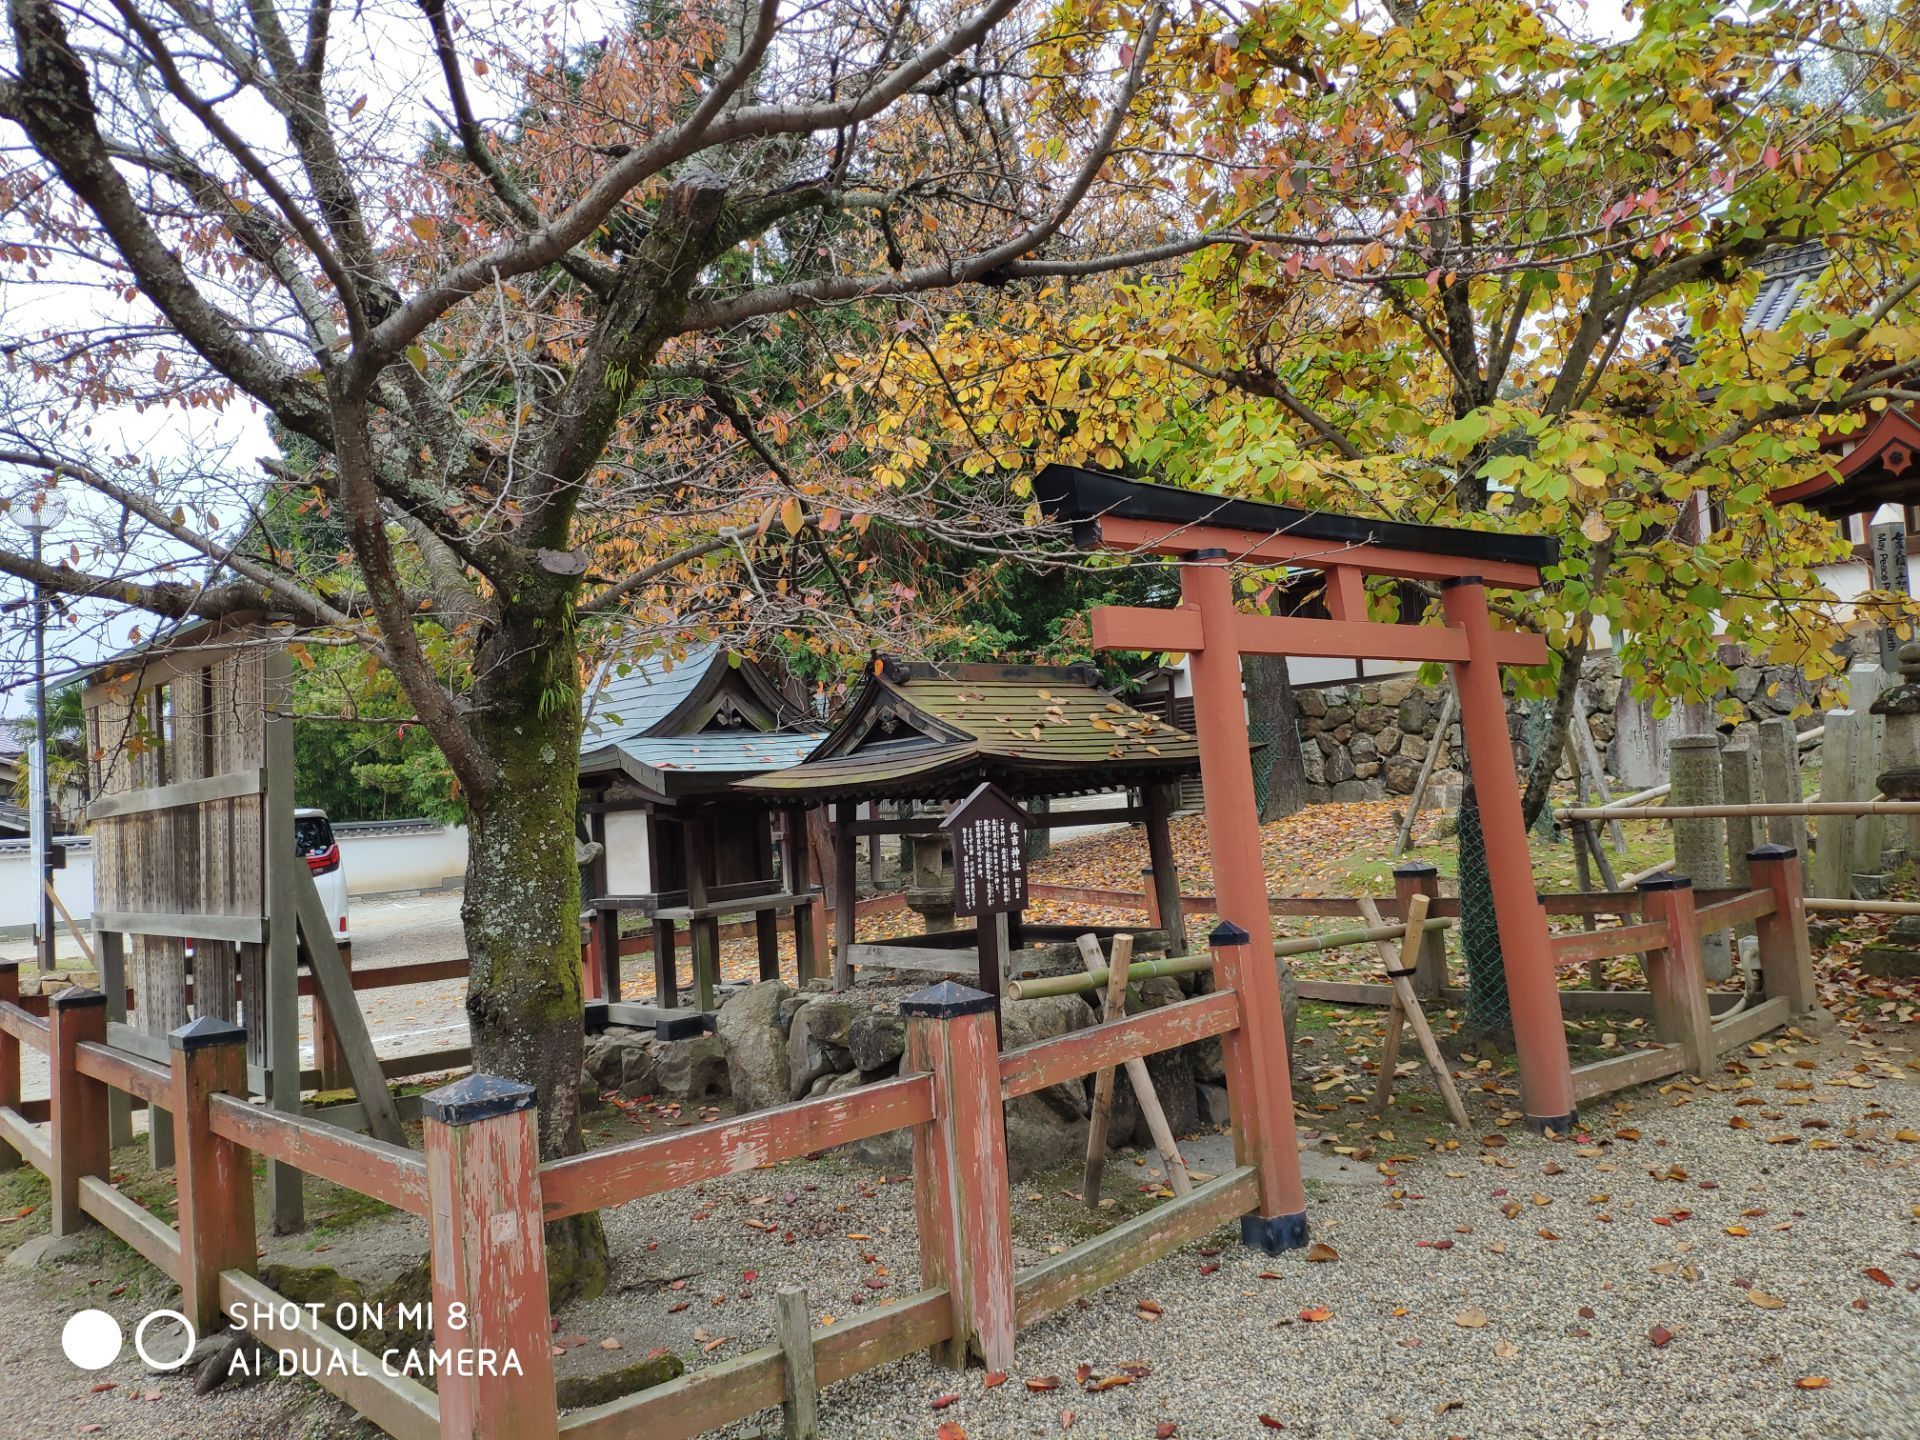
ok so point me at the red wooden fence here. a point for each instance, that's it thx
(487, 1198)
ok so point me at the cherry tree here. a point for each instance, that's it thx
(497, 285)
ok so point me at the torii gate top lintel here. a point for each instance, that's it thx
(1110, 512)
(1210, 534)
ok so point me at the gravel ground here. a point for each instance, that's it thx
(1565, 1261)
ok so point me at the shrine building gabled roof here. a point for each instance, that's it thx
(934, 732)
(690, 725)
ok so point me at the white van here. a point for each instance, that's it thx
(313, 839)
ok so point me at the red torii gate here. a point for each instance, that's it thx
(1209, 535)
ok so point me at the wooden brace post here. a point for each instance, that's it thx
(79, 1110)
(1677, 974)
(1786, 958)
(1115, 1007)
(489, 1259)
(214, 1176)
(9, 1059)
(960, 1191)
(113, 981)
(1417, 877)
(1143, 1092)
(1406, 1010)
(793, 1330)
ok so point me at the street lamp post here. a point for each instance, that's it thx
(37, 514)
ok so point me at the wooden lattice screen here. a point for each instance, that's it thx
(190, 750)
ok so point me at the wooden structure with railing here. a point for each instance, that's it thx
(202, 906)
(1661, 921)
(665, 740)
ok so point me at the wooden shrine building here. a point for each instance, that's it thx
(930, 734)
(665, 739)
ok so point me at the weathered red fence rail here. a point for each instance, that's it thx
(1689, 1035)
(210, 1251)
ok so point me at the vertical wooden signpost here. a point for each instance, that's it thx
(989, 836)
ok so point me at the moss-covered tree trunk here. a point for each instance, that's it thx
(522, 905)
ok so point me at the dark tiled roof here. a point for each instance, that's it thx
(1789, 278)
(926, 732)
(627, 705)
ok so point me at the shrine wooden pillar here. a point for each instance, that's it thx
(1540, 1037)
(845, 891)
(1163, 885)
(796, 860)
(1279, 1220)
(766, 925)
(703, 930)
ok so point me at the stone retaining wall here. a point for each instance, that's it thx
(1368, 741)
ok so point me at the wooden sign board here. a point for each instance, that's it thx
(989, 835)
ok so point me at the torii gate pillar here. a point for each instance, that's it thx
(1526, 949)
(1270, 1144)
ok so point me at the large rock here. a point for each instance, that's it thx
(1047, 1129)
(1213, 1105)
(1208, 1059)
(1173, 1073)
(1313, 765)
(604, 1059)
(877, 1039)
(623, 1060)
(817, 1043)
(693, 1071)
(756, 1044)
(1289, 1003)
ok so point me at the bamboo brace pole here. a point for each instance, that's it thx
(1192, 964)
(1723, 812)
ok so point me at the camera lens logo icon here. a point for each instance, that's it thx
(92, 1339)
